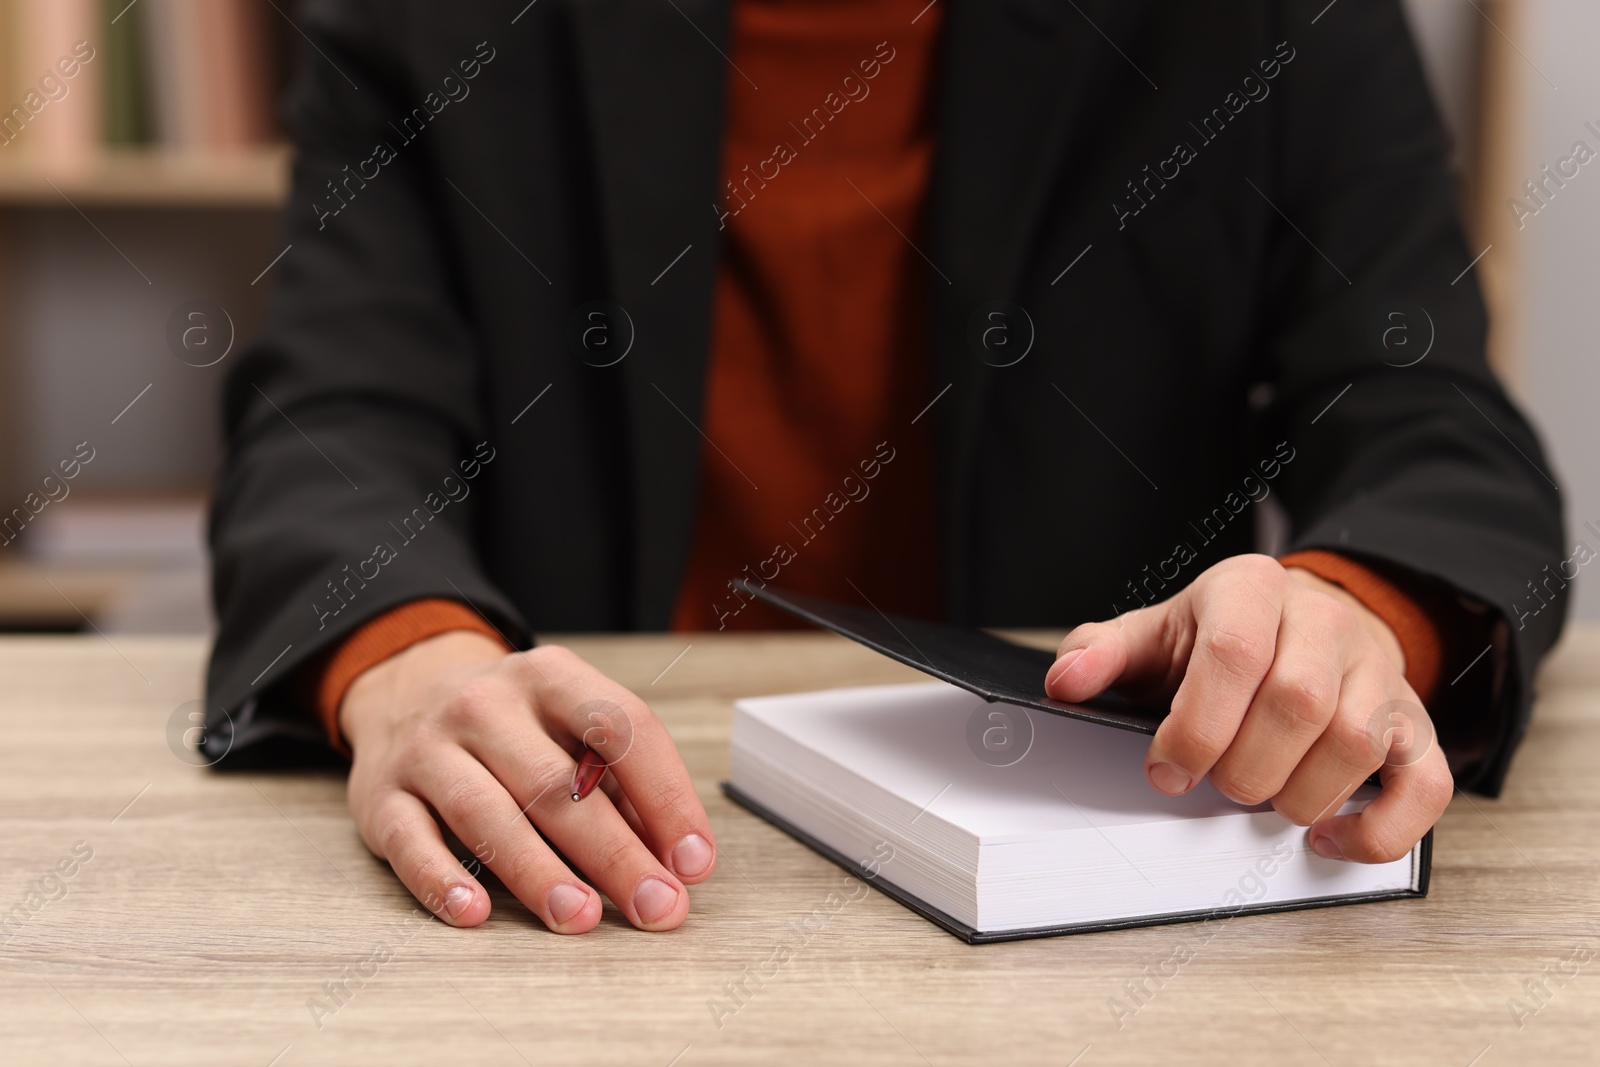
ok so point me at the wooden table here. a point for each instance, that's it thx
(216, 905)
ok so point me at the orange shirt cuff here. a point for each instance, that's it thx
(378, 639)
(1419, 634)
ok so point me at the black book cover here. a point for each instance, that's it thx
(976, 660)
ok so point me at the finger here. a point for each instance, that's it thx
(577, 703)
(1351, 747)
(1413, 797)
(591, 833)
(1290, 710)
(1140, 649)
(400, 829)
(625, 807)
(482, 814)
(1237, 616)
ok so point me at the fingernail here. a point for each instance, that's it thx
(1061, 667)
(1326, 847)
(691, 857)
(564, 903)
(1169, 778)
(654, 900)
(456, 900)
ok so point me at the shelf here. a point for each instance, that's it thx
(55, 598)
(248, 178)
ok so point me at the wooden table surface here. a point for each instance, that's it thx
(213, 907)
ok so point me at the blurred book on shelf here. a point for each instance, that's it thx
(191, 77)
(172, 35)
(128, 120)
(237, 102)
(55, 97)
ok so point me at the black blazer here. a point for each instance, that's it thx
(1227, 230)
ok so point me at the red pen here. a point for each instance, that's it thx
(591, 768)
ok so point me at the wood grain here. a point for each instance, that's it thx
(216, 904)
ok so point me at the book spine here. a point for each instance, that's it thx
(194, 87)
(174, 47)
(159, 65)
(235, 74)
(59, 59)
(127, 93)
(258, 47)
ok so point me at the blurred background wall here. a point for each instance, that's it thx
(1552, 338)
(152, 184)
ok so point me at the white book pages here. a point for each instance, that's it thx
(1067, 831)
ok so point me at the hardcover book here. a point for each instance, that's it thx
(998, 813)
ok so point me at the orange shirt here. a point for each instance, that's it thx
(816, 477)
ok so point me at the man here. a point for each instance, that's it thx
(1010, 313)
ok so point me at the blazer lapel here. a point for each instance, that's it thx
(1014, 77)
(653, 83)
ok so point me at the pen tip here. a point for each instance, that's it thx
(575, 796)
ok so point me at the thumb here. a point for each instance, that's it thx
(1136, 649)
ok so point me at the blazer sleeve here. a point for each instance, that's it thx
(1408, 450)
(352, 425)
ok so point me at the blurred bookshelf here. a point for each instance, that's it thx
(142, 168)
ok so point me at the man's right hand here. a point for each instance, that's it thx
(454, 726)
